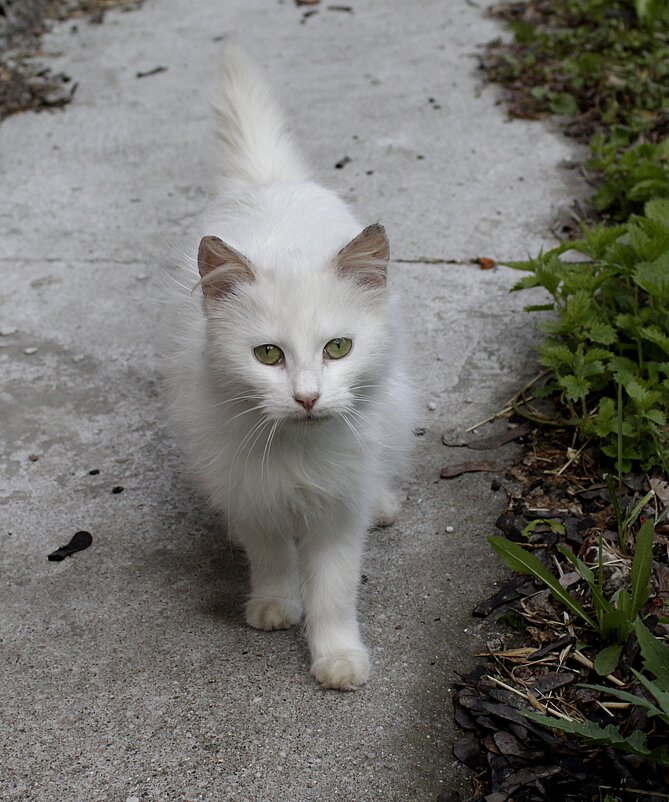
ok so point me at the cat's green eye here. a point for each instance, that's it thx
(338, 347)
(268, 354)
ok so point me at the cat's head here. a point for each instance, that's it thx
(299, 345)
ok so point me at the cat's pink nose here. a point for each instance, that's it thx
(307, 400)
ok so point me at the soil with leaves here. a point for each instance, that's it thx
(25, 82)
(580, 709)
(603, 65)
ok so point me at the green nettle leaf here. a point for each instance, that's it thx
(656, 416)
(564, 103)
(655, 335)
(598, 239)
(648, 189)
(595, 354)
(578, 311)
(602, 333)
(575, 387)
(605, 421)
(549, 273)
(636, 391)
(555, 355)
(654, 278)
(526, 283)
(658, 209)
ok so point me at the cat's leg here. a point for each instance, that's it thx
(387, 507)
(331, 570)
(274, 602)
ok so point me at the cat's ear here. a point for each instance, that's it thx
(365, 258)
(221, 268)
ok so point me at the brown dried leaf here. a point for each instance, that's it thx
(661, 488)
(497, 440)
(451, 471)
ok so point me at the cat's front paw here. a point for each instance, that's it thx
(387, 509)
(271, 614)
(344, 671)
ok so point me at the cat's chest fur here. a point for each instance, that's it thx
(300, 472)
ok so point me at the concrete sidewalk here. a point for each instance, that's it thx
(127, 671)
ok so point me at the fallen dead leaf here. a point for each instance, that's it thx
(451, 471)
(661, 488)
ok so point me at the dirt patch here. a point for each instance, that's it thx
(25, 83)
(552, 662)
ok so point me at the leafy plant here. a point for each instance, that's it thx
(629, 174)
(611, 332)
(606, 60)
(614, 618)
(626, 522)
(635, 744)
(655, 655)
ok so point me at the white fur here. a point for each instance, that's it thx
(298, 495)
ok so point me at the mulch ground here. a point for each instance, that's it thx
(548, 655)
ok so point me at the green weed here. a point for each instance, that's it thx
(608, 349)
(655, 656)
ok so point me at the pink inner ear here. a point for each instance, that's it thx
(365, 258)
(221, 267)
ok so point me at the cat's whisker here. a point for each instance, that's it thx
(367, 387)
(246, 439)
(260, 433)
(257, 408)
(238, 399)
(266, 453)
(354, 431)
(365, 399)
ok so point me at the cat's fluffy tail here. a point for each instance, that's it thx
(255, 144)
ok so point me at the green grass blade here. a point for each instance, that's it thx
(642, 565)
(639, 701)
(604, 608)
(660, 696)
(631, 518)
(519, 560)
(616, 507)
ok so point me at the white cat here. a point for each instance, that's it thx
(289, 380)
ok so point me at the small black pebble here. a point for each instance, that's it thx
(117, 489)
(94, 472)
(420, 157)
(364, 579)
(369, 172)
(420, 431)
(342, 162)
(495, 484)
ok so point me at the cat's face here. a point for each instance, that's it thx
(302, 348)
